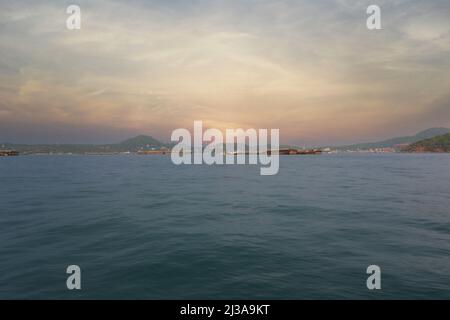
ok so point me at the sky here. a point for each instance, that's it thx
(309, 68)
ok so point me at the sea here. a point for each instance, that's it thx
(140, 227)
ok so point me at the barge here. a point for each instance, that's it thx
(8, 153)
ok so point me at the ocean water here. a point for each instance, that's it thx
(142, 228)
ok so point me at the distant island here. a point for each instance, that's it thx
(140, 143)
(436, 144)
(397, 143)
(430, 140)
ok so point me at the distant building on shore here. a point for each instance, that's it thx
(162, 151)
(8, 153)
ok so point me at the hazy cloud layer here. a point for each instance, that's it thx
(310, 68)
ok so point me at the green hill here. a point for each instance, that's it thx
(130, 145)
(435, 144)
(390, 143)
(139, 143)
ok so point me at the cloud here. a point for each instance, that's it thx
(156, 65)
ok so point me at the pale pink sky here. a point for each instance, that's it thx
(309, 68)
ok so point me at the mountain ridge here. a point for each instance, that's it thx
(393, 142)
(146, 142)
(134, 144)
(438, 144)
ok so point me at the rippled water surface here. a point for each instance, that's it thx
(141, 227)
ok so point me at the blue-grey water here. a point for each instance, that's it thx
(141, 227)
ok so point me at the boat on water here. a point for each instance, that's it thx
(290, 152)
(154, 152)
(307, 152)
(8, 153)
